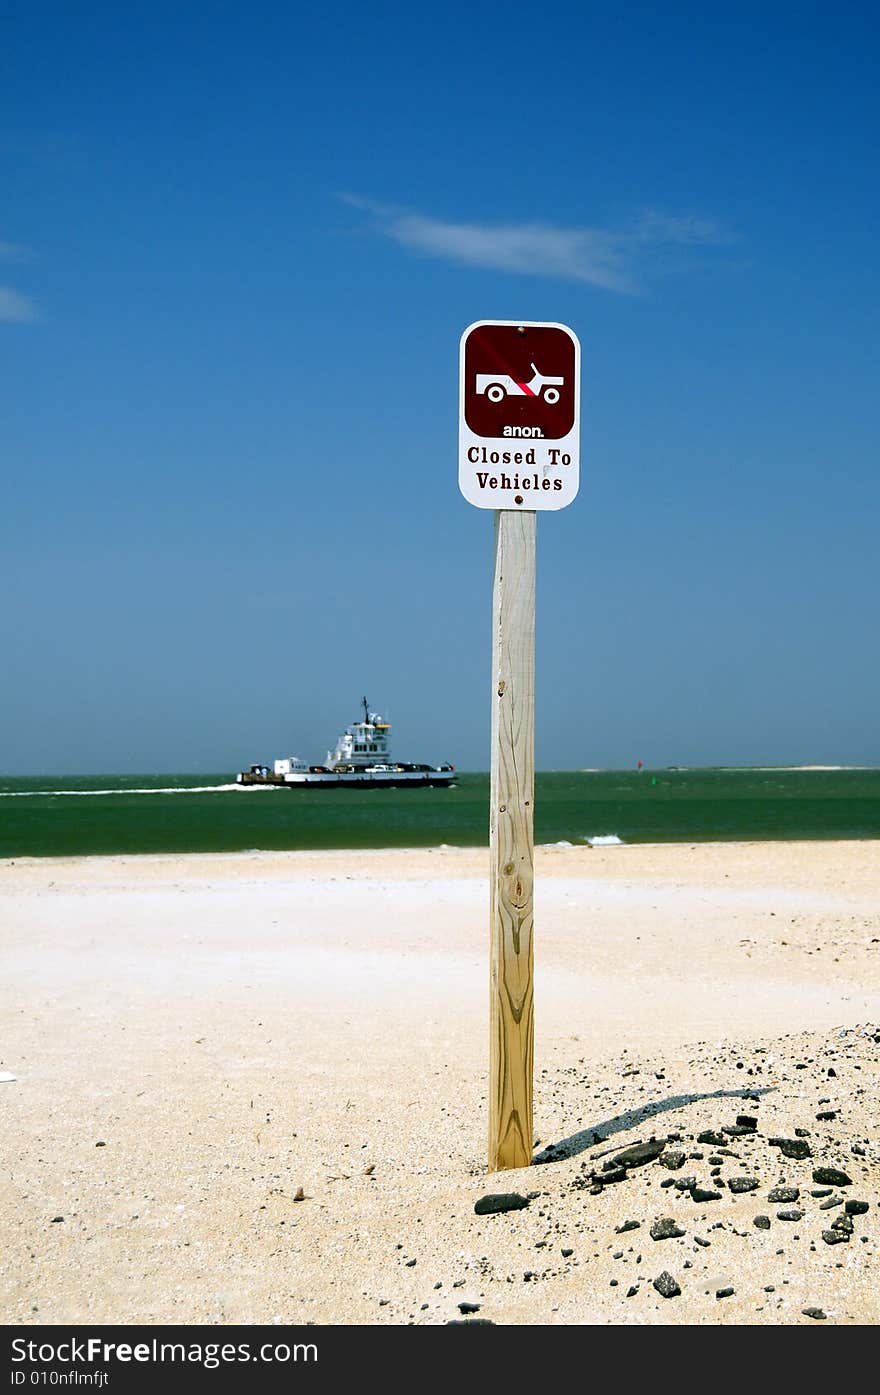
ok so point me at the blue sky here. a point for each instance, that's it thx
(238, 246)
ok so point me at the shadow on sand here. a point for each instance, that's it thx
(599, 1133)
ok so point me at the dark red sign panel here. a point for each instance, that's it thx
(519, 377)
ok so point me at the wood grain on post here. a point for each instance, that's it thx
(511, 842)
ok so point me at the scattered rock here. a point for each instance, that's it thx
(832, 1176)
(762, 1222)
(742, 1184)
(56, 1219)
(701, 1194)
(814, 1313)
(698, 1240)
(747, 1121)
(856, 1208)
(566, 1254)
(834, 1237)
(825, 1114)
(665, 1229)
(724, 1292)
(796, 1148)
(611, 1174)
(830, 1204)
(631, 1292)
(666, 1285)
(710, 1136)
(783, 1194)
(494, 1202)
(468, 1307)
(299, 1195)
(639, 1153)
(791, 1215)
(627, 1225)
(673, 1158)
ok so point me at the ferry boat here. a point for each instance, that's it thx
(361, 760)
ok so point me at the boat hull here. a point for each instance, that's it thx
(402, 779)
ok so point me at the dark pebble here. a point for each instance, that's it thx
(665, 1229)
(611, 1174)
(627, 1225)
(820, 1191)
(830, 1204)
(494, 1202)
(56, 1219)
(762, 1222)
(831, 1176)
(827, 1114)
(834, 1237)
(698, 1240)
(783, 1194)
(814, 1313)
(747, 1121)
(468, 1307)
(856, 1208)
(793, 1215)
(666, 1285)
(566, 1254)
(844, 1224)
(710, 1136)
(640, 1153)
(743, 1184)
(797, 1148)
(684, 1184)
(724, 1293)
(631, 1292)
(802, 1133)
(701, 1194)
(673, 1158)
(736, 1130)
(668, 1182)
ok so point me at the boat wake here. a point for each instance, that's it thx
(167, 789)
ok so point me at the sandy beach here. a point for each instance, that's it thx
(195, 1038)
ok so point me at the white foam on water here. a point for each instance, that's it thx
(169, 789)
(603, 840)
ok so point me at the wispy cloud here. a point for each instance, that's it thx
(612, 258)
(16, 308)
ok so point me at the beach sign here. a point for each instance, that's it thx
(519, 415)
(519, 436)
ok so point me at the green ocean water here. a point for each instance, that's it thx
(44, 816)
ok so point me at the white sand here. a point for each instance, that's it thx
(234, 1027)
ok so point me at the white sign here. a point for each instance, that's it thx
(519, 416)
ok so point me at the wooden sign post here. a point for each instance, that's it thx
(511, 842)
(519, 435)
